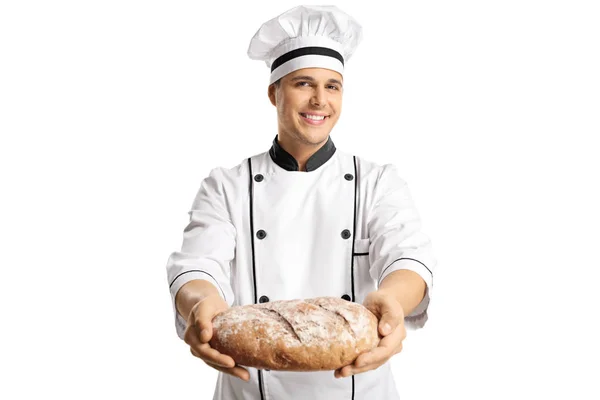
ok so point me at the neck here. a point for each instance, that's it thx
(301, 151)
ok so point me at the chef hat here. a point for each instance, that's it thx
(306, 37)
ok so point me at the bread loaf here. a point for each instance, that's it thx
(323, 333)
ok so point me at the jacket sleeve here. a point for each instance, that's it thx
(208, 246)
(396, 240)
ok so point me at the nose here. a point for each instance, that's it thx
(319, 97)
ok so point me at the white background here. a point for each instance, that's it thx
(112, 112)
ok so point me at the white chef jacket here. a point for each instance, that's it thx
(265, 231)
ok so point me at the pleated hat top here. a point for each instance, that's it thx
(306, 37)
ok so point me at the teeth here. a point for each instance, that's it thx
(314, 117)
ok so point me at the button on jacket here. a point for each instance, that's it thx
(264, 231)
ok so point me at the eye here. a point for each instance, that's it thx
(301, 83)
(334, 87)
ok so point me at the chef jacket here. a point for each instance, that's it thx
(265, 231)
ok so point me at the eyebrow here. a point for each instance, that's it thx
(310, 78)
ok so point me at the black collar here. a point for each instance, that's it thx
(286, 161)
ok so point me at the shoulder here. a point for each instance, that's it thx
(236, 174)
(373, 170)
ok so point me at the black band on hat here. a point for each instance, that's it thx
(304, 51)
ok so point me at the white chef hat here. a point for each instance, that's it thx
(306, 37)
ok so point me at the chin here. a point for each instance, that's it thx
(314, 137)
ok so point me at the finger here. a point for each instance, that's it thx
(203, 322)
(195, 353)
(383, 351)
(342, 372)
(373, 359)
(346, 370)
(390, 319)
(192, 332)
(358, 366)
(353, 370)
(239, 372)
(377, 356)
(203, 313)
(207, 353)
(206, 359)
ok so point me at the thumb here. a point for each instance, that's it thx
(389, 322)
(205, 331)
(203, 315)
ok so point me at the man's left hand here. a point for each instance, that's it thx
(390, 314)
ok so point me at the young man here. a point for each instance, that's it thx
(303, 220)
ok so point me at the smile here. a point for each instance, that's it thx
(314, 119)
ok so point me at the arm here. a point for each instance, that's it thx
(208, 248)
(398, 244)
(406, 286)
(200, 301)
(402, 263)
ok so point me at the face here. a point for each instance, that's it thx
(309, 103)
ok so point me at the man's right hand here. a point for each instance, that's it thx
(199, 332)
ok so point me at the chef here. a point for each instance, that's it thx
(302, 220)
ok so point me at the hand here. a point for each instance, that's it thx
(199, 332)
(390, 315)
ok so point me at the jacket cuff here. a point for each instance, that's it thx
(180, 280)
(418, 317)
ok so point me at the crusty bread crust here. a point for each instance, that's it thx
(324, 333)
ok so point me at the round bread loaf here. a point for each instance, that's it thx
(324, 333)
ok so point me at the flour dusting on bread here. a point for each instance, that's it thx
(323, 333)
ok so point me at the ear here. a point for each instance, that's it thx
(271, 94)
